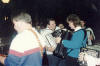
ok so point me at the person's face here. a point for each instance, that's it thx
(61, 26)
(82, 23)
(17, 25)
(52, 25)
(38, 27)
(71, 25)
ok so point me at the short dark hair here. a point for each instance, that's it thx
(48, 20)
(21, 15)
(74, 18)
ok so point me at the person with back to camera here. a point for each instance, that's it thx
(25, 49)
(75, 43)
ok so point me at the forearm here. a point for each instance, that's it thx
(2, 59)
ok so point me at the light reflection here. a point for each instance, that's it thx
(5, 1)
(6, 18)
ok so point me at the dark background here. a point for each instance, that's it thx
(88, 10)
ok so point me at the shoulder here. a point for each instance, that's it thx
(28, 34)
(46, 31)
(80, 31)
(57, 28)
(90, 29)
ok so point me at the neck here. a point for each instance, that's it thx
(25, 27)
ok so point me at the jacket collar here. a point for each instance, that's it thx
(78, 28)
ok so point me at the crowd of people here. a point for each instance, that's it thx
(29, 45)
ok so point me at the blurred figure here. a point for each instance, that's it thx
(38, 28)
(90, 33)
(25, 49)
(61, 26)
(89, 59)
(0, 40)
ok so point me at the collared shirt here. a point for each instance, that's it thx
(49, 39)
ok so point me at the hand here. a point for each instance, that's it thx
(58, 39)
(51, 49)
(2, 58)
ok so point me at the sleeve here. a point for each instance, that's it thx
(76, 40)
(42, 40)
(43, 35)
(91, 32)
(48, 38)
